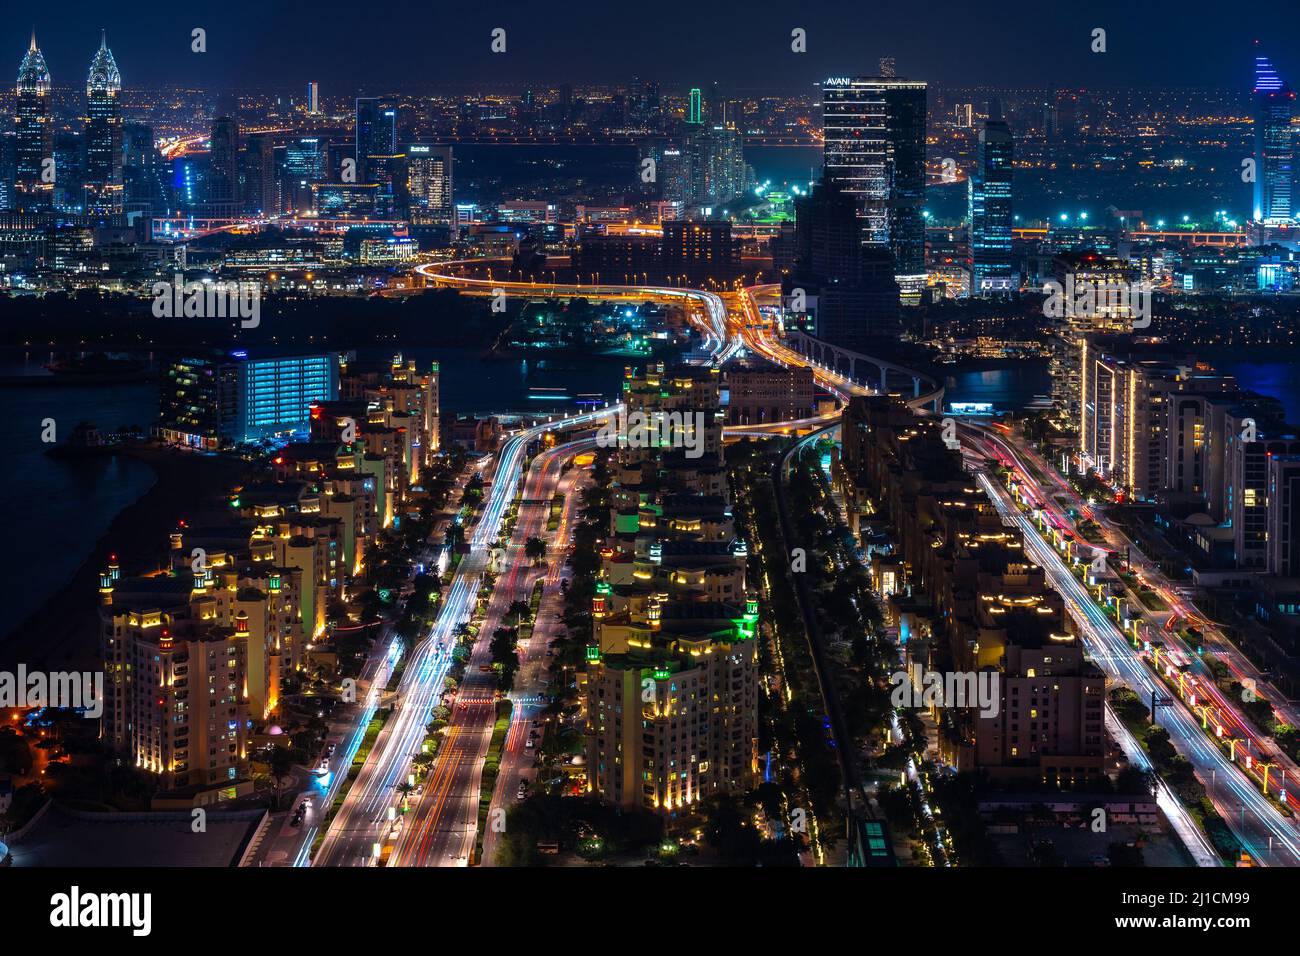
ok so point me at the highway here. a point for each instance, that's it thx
(361, 821)
(441, 829)
(1269, 838)
(1224, 711)
(706, 309)
(1119, 656)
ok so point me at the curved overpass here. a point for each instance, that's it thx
(814, 353)
(720, 343)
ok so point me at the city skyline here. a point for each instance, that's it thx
(625, 440)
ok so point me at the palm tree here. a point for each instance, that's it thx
(405, 788)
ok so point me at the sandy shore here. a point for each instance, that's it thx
(64, 632)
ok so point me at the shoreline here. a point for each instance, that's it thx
(63, 633)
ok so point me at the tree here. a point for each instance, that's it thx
(534, 549)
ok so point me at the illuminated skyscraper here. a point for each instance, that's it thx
(693, 116)
(313, 97)
(875, 149)
(429, 184)
(103, 136)
(376, 136)
(306, 161)
(989, 210)
(378, 160)
(1274, 150)
(34, 129)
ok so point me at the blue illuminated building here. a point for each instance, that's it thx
(233, 398)
(1274, 149)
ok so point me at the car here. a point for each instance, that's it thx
(296, 821)
(529, 743)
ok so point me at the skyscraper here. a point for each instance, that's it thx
(376, 136)
(223, 174)
(989, 209)
(874, 148)
(1274, 150)
(841, 290)
(103, 172)
(378, 160)
(260, 182)
(693, 114)
(306, 161)
(34, 129)
(313, 97)
(429, 184)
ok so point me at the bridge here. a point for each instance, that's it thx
(845, 362)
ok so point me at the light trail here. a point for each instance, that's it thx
(1259, 822)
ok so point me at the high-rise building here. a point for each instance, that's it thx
(671, 680)
(1284, 516)
(989, 211)
(261, 184)
(874, 147)
(717, 164)
(306, 162)
(839, 290)
(214, 402)
(429, 184)
(694, 113)
(313, 97)
(103, 169)
(700, 254)
(378, 159)
(1246, 482)
(34, 131)
(223, 170)
(1274, 146)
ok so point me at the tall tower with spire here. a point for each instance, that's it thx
(1274, 148)
(34, 129)
(103, 136)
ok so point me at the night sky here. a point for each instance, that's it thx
(344, 45)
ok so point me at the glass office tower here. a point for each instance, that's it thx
(989, 211)
(1274, 149)
(874, 149)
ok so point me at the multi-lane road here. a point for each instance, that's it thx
(1270, 838)
(362, 821)
(442, 826)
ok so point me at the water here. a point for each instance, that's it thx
(1011, 386)
(1281, 379)
(470, 384)
(1008, 386)
(59, 508)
